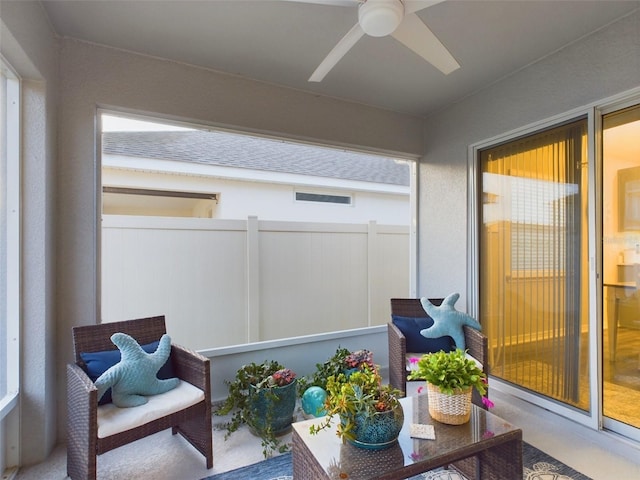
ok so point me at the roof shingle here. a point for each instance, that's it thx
(243, 151)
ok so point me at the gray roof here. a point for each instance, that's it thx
(243, 151)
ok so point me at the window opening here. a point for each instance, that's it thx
(245, 231)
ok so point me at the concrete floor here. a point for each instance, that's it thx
(165, 457)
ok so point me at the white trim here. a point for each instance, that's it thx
(288, 342)
(578, 416)
(9, 402)
(594, 212)
(13, 228)
(413, 228)
(472, 233)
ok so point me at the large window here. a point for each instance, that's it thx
(248, 239)
(9, 250)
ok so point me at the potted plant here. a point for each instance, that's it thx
(341, 361)
(262, 396)
(313, 389)
(370, 412)
(450, 378)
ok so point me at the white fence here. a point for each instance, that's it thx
(231, 282)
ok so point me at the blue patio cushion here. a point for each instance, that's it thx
(416, 343)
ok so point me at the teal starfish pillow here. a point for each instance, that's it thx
(134, 377)
(447, 320)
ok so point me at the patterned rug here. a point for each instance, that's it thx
(537, 466)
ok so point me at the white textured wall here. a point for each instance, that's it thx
(603, 64)
(29, 46)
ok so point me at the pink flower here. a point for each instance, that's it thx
(420, 389)
(487, 403)
(488, 434)
(359, 358)
(414, 360)
(283, 377)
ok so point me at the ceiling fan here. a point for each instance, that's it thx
(379, 18)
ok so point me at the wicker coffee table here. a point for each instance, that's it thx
(485, 448)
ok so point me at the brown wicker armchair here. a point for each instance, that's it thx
(476, 343)
(83, 442)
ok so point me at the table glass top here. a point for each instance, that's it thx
(338, 458)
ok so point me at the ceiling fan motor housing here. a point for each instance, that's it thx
(380, 17)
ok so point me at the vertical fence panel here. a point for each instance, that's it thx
(224, 282)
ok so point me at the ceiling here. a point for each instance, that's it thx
(282, 42)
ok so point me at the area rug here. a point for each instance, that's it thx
(537, 465)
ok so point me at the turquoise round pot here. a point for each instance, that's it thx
(272, 407)
(312, 401)
(378, 431)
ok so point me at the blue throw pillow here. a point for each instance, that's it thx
(96, 363)
(416, 343)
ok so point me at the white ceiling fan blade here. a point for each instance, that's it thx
(338, 3)
(411, 6)
(414, 34)
(339, 51)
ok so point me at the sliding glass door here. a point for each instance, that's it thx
(532, 262)
(621, 268)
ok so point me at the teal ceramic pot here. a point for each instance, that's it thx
(378, 431)
(272, 407)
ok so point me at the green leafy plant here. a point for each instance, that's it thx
(340, 361)
(356, 394)
(249, 380)
(451, 371)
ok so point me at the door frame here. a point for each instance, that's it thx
(605, 108)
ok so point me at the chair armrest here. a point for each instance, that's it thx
(397, 354)
(397, 338)
(192, 367)
(80, 388)
(477, 346)
(82, 416)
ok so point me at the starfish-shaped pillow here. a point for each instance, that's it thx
(134, 377)
(447, 320)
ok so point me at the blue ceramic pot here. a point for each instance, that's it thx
(272, 408)
(378, 431)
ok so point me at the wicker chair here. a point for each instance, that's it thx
(83, 442)
(476, 343)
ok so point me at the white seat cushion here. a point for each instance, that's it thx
(112, 419)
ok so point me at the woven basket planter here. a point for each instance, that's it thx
(452, 409)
